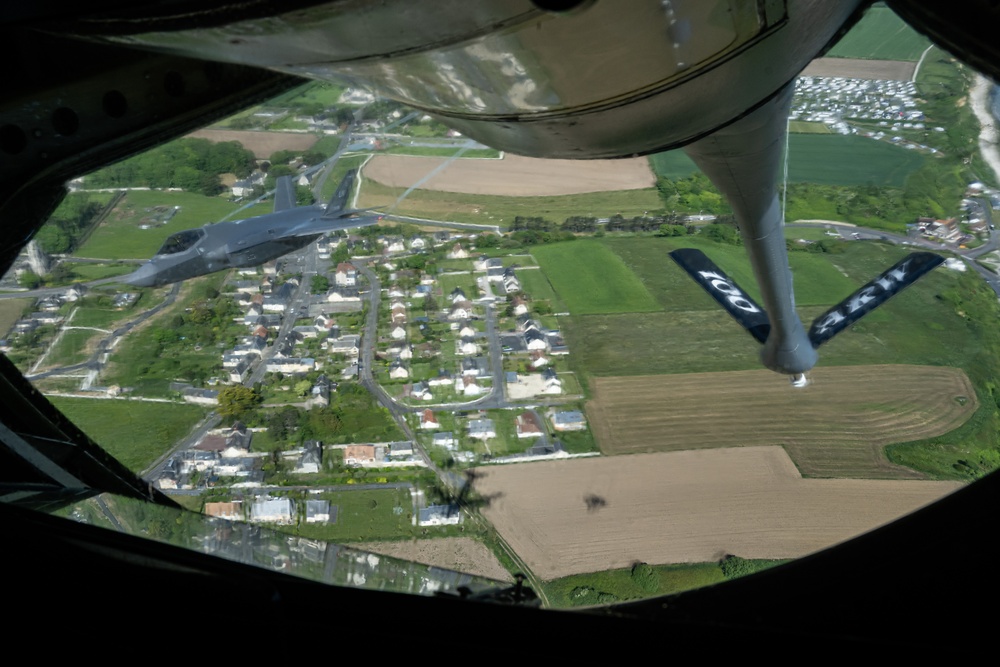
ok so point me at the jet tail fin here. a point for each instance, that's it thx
(339, 199)
(725, 291)
(883, 287)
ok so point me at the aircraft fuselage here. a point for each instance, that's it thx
(225, 245)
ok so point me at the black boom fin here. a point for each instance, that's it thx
(886, 285)
(722, 288)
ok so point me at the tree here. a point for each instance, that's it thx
(237, 401)
(320, 284)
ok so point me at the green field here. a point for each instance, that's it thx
(536, 285)
(692, 334)
(134, 432)
(848, 160)
(119, 236)
(881, 35)
(589, 278)
(829, 159)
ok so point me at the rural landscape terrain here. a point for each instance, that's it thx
(509, 374)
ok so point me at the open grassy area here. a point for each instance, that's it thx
(881, 35)
(589, 278)
(10, 312)
(120, 235)
(582, 590)
(495, 210)
(87, 272)
(371, 514)
(72, 348)
(134, 432)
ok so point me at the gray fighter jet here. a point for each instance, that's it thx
(253, 241)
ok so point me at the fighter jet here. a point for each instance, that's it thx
(253, 241)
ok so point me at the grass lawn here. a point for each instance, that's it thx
(119, 236)
(589, 278)
(10, 312)
(71, 348)
(134, 432)
(615, 585)
(881, 35)
(378, 514)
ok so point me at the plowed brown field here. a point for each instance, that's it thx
(514, 175)
(588, 515)
(835, 427)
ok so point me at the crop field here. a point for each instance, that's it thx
(134, 432)
(586, 515)
(120, 235)
(835, 427)
(828, 159)
(261, 144)
(589, 278)
(818, 281)
(462, 554)
(501, 210)
(850, 160)
(514, 175)
(859, 68)
(692, 334)
(880, 35)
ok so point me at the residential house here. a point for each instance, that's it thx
(397, 371)
(529, 425)
(439, 515)
(446, 440)
(272, 510)
(568, 420)
(317, 511)
(427, 420)
(358, 454)
(481, 429)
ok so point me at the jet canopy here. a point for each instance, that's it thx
(180, 241)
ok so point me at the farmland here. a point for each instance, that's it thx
(589, 278)
(585, 515)
(692, 334)
(881, 35)
(826, 159)
(836, 427)
(501, 210)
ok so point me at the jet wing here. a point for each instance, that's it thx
(324, 225)
(284, 194)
